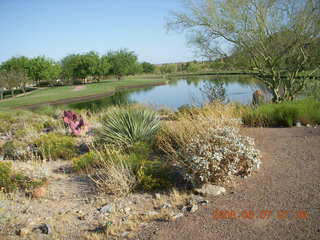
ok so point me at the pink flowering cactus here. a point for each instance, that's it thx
(74, 122)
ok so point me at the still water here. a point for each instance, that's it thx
(178, 92)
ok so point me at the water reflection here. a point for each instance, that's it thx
(179, 92)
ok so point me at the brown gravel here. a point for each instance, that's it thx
(288, 180)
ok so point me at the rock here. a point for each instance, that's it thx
(23, 232)
(39, 192)
(83, 148)
(166, 205)
(127, 210)
(107, 208)
(152, 213)
(308, 125)
(43, 228)
(157, 196)
(177, 216)
(124, 234)
(298, 124)
(203, 202)
(210, 190)
(1, 157)
(193, 208)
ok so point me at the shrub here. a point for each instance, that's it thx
(286, 114)
(55, 146)
(112, 173)
(10, 181)
(126, 126)
(151, 174)
(208, 149)
(84, 162)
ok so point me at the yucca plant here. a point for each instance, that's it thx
(126, 126)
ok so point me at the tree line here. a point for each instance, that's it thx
(19, 72)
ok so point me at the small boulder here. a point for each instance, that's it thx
(193, 208)
(106, 209)
(179, 215)
(210, 190)
(43, 228)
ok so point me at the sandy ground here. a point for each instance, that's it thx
(288, 185)
(79, 88)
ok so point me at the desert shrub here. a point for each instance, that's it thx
(151, 172)
(218, 113)
(286, 114)
(55, 146)
(11, 181)
(208, 148)
(84, 162)
(126, 126)
(154, 175)
(16, 150)
(112, 173)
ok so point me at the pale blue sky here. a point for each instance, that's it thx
(55, 28)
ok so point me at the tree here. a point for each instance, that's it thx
(13, 79)
(41, 68)
(273, 34)
(148, 67)
(103, 68)
(81, 66)
(123, 62)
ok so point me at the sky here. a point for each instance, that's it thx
(56, 28)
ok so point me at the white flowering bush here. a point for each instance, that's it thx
(208, 146)
(220, 154)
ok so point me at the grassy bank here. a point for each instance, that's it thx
(286, 114)
(50, 95)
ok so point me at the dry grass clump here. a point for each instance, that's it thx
(112, 174)
(207, 147)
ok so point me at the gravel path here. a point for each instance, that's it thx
(289, 180)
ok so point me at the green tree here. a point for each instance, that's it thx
(274, 35)
(103, 68)
(43, 69)
(168, 68)
(123, 63)
(148, 67)
(16, 64)
(81, 66)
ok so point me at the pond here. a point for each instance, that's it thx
(179, 92)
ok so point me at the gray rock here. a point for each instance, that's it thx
(43, 228)
(124, 234)
(298, 124)
(179, 215)
(157, 195)
(193, 208)
(151, 213)
(83, 148)
(210, 190)
(167, 205)
(107, 208)
(308, 125)
(203, 202)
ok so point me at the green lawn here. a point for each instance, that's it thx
(67, 92)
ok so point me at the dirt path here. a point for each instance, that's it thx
(79, 88)
(289, 180)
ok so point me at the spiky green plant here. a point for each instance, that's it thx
(126, 126)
